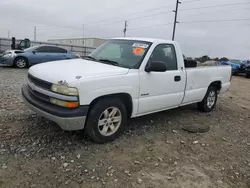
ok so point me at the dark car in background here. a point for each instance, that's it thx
(247, 69)
(237, 66)
(35, 55)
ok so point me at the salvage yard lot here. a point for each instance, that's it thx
(153, 152)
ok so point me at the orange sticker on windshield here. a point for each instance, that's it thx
(138, 51)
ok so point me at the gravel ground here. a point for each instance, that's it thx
(153, 152)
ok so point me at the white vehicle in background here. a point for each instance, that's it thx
(123, 78)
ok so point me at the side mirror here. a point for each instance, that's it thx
(34, 51)
(156, 66)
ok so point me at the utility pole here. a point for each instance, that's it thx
(83, 34)
(83, 41)
(125, 28)
(175, 17)
(35, 33)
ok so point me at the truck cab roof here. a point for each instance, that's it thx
(147, 39)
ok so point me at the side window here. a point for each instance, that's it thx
(43, 49)
(166, 54)
(57, 50)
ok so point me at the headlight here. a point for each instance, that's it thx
(64, 103)
(7, 55)
(64, 90)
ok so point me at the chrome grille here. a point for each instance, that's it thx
(40, 83)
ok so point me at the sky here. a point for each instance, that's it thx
(221, 30)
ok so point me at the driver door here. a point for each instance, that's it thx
(161, 90)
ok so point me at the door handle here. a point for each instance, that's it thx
(177, 78)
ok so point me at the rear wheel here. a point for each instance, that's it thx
(106, 120)
(209, 101)
(21, 62)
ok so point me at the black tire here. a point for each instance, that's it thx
(247, 75)
(96, 111)
(21, 62)
(203, 105)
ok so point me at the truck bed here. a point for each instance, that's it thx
(199, 78)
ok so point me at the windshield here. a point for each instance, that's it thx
(127, 53)
(235, 61)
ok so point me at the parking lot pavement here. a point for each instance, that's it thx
(153, 152)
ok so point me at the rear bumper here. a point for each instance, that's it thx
(67, 119)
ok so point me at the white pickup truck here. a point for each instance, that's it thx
(123, 78)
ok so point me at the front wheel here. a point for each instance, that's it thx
(209, 101)
(21, 62)
(106, 120)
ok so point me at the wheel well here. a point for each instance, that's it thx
(216, 84)
(21, 57)
(124, 97)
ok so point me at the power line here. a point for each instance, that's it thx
(149, 15)
(185, 2)
(139, 17)
(117, 21)
(234, 26)
(147, 10)
(189, 22)
(214, 11)
(207, 21)
(222, 5)
(145, 16)
(150, 26)
(133, 18)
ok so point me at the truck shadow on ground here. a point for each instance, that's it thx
(46, 137)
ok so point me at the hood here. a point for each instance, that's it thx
(74, 70)
(7, 51)
(13, 52)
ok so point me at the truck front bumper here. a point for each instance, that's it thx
(67, 119)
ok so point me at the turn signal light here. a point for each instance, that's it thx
(64, 103)
(71, 104)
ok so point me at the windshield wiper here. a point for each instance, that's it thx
(109, 62)
(89, 57)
